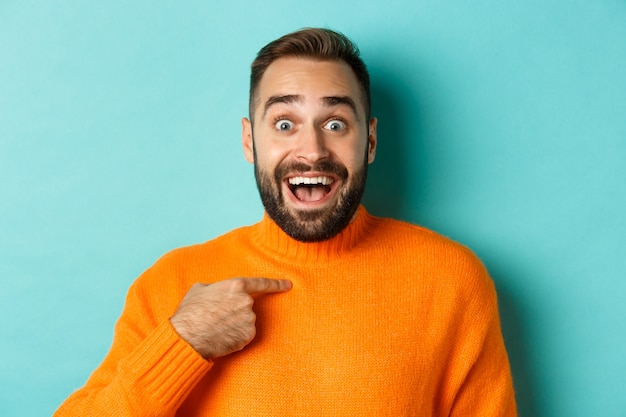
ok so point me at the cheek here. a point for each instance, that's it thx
(267, 151)
(353, 157)
(270, 158)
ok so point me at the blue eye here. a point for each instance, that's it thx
(335, 125)
(284, 125)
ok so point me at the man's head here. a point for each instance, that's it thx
(309, 134)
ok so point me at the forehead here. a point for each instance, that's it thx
(309, 78)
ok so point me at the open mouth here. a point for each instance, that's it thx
(311, 189)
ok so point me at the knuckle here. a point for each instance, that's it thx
(247, 302)
(237, 285)
(249, 334)
(251, 318)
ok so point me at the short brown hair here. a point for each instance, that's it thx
(316, 43)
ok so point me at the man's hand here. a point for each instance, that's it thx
(217, 319)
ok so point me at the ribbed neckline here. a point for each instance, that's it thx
(270, 237)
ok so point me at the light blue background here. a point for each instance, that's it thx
(501, 124)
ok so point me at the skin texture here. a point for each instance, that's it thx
(309, 121)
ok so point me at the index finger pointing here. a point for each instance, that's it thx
(265, 285)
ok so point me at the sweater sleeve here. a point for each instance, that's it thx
(149, 370)
(485, 386)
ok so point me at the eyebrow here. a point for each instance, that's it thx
(330, 101)
(341, 101)
(286, 99)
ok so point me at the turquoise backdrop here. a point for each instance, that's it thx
(502, 124)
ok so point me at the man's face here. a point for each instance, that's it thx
(310, 144)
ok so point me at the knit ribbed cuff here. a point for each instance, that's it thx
(165, 368)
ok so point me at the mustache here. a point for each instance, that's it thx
(326, 166)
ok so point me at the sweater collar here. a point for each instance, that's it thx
(269, 236)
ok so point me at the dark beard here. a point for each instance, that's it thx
(311, 225)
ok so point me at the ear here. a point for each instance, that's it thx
(372, 140)
(246, 140)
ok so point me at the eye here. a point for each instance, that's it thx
(335, 125)
(284, 125)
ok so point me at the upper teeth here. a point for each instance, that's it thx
(310, 180)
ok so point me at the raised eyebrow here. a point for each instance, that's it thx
(285, 99)
(341, 101)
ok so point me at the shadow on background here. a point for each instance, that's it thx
(514, 330)
(397, 188)
(387, 176)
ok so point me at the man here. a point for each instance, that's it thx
(320, 308)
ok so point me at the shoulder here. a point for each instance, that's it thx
(432, 256)
(182, 266)
(204, 251)
(408, 236)
(159, 288)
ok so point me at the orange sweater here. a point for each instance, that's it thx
(385, 319)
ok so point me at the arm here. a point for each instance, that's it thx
(485, 384)
(487, 389)
(149, 369)
(155, 362)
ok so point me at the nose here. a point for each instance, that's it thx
(311, 146)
